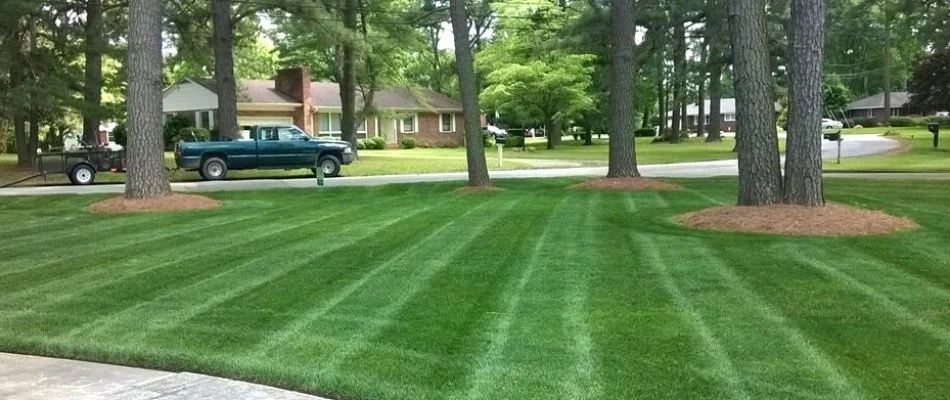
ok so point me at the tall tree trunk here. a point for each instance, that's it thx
(661, 93)
(553, 132)
(679, 77)
(887, 68)
(17, 76)
(474, 145)
(348, 84)
(701, 94)
(803, 183)
(223, 43)
(685, 123)
(146, 177)
(33, 141)
(715, 104)
(92, 88)
(760, 174)
(622, 159)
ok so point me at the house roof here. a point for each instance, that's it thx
(898, 100)
(327, 95)
(726, 106)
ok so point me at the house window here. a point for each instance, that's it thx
(331, 124)
(869, 113)
(447, 122)
(729, 117)
(204, 119)
(409, 123)
(706, 119)
(895, 112)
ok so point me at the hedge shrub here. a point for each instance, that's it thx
(515, 141)
(900, 122)
(409, 143)
(644, 132)
(120, 134)
(361, 144)
(865, 122)
(942, 121)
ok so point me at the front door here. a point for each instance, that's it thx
(387, 129)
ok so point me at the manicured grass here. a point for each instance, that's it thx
(647, 153)
(414, 292)
(880, 130)
(919, 155)
(363, 167)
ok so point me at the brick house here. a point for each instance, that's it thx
(873, 107)
(432, 118)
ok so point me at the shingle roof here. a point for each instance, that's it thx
(327, 95)
(726, 106)
(898, 100)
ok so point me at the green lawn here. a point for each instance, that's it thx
(919, 156)
(647, 153)
(414, 292)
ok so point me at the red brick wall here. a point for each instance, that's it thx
(429, 134)
(295, 82)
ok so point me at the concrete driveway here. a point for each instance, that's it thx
(852, 146)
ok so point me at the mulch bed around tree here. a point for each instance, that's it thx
(783, 219)
(478, 189)
(174, 202)
(626, 184)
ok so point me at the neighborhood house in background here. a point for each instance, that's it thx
(727, 113)
(431, 118)
(872, 107)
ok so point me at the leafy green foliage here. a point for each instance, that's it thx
(930, 87)
(554, 91)
(409, 143)
(174, 126)
(644, 132)
(835, 94)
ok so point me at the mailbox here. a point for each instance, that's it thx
(501, 139)
(934, 128)
(833, 136)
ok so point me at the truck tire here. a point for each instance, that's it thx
(331, 166)
(82, 174)
(214, 169)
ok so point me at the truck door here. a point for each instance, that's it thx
(280, 147)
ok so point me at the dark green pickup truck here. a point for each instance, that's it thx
(269, 147)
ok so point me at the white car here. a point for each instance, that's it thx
(828, 123)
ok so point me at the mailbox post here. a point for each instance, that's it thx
(934, 128)
(501, 141)
(318, 171)
(835, 137)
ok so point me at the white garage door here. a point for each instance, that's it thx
(245, 121)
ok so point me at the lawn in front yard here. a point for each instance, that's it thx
(415, 292)
(918, 154)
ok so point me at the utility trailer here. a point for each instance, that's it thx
(81, 165)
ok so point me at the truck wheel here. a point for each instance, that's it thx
(214, 169)
(82, 174)
(330, 165)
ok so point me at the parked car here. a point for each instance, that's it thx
(269, 147)
(828, 123)
(493, 132)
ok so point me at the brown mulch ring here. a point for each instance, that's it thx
(174, 202)
(478, 189)
(626, 184)
(783, 219)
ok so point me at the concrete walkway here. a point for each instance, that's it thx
(30, 377)
(853, 146)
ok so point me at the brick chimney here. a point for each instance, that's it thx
(295, 83)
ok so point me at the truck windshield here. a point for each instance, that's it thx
(283, 134)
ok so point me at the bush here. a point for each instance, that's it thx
(865, 122)
(942, 121)
(515, 141)
(644, 132)
(409, 143)
(361, 144)
(174, 124)
(120, 134)
(192, 135)
(899, 122)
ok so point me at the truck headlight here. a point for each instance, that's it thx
(348, 150)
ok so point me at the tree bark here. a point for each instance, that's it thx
(701, 94)
(715, 104)
(223, 43)
(553, 132)
(760, 175)
(887, 68)
(17, 76)
(622, 158)
(92, 88)
(465, 65)
(685, 123)
(146, 177)
(679, 78)
(803, 184)
(348, 84)
(661, 94)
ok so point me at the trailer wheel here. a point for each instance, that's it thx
(82, 174)
(214, 169)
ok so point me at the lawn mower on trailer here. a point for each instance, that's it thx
(80, 163)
